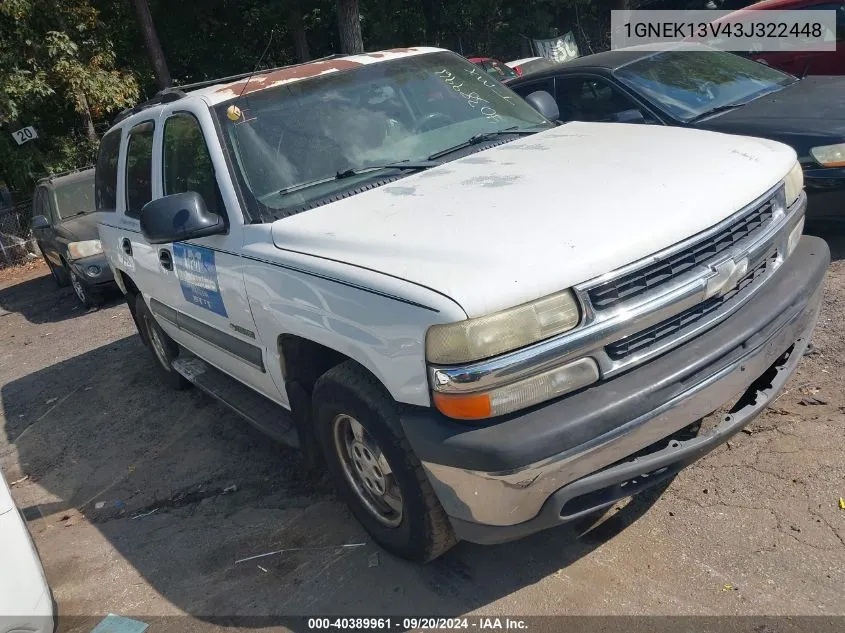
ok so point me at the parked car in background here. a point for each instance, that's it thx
(803, 62)
(530, 65)
(696, 86)
(67, 234)
(332, 267)
(26, 603)
(496, 68)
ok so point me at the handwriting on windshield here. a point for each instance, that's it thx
(473, 99)
(482, 78)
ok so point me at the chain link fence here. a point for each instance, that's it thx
(16, 240)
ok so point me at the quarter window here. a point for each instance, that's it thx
(187, 162)
(139, 168)
(105, 177)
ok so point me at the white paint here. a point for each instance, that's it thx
(24, 595)
(542, 213)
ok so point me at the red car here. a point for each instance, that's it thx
(494, 67)
(800, 63)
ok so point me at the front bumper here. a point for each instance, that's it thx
(83, 269)
(564, 459)
(825, 194)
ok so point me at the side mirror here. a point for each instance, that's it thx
(180, 216)
(629, 116)
(544, 103)
(40, 222)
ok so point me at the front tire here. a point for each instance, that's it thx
(85, 295)
(164, 349)
(375, 470)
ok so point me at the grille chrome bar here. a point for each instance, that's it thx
(603, 328)
(628, 286)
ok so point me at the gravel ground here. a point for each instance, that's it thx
(141, 500)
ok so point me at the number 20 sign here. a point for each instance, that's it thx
(25, 134)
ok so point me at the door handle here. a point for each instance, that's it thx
(165, 259)
(126, 245)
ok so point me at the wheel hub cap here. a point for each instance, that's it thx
(368, 471)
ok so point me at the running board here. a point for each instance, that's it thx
(261, 412)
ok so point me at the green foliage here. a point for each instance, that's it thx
(67, 66)
(58, 73)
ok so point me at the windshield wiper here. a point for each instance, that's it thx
(716, 110)
(480, 138)
(356, 171)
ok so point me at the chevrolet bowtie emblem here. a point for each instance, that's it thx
(726, 276)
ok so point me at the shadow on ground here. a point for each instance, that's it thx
(39, 300)
(182, 489)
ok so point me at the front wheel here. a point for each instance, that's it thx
(165, 350)
(376, 472)
(85, 295)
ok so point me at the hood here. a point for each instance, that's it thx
(813, 108)
(541, 213)
(81, 227)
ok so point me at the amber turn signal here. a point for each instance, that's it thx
(474, 406)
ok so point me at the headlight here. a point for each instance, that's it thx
(78, 250)
(829, 155)
(500, 332)
(794, 183)
(519, 395)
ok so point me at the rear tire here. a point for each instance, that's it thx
(374, 468)
(164, 349)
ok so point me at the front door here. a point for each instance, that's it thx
(204, 305)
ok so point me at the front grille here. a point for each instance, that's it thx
(625, 287)
(673, 325)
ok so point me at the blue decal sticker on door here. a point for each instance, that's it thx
(197, 275)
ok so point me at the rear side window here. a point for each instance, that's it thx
(105, 178)
(187, 163)
(139, 168)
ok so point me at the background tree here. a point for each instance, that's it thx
(58, 73)
(349, 27)
(148, 31)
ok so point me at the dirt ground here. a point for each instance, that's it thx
(141, 500)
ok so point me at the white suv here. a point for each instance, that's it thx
(485, 323)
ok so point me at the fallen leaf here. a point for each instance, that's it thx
(841, 503)
(811, 401)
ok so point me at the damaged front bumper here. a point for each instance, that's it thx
(556, 462)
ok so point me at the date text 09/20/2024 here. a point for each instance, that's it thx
(417, 623)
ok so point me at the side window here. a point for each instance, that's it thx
(105, 175)
(139, 168)
(592, 99)
(38, 204)
(523, 90)
(187, 163)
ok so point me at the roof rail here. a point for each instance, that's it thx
(175, 93)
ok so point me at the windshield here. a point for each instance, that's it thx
(75, 197)
(499, 70)
(387, 112)
(688, 83)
